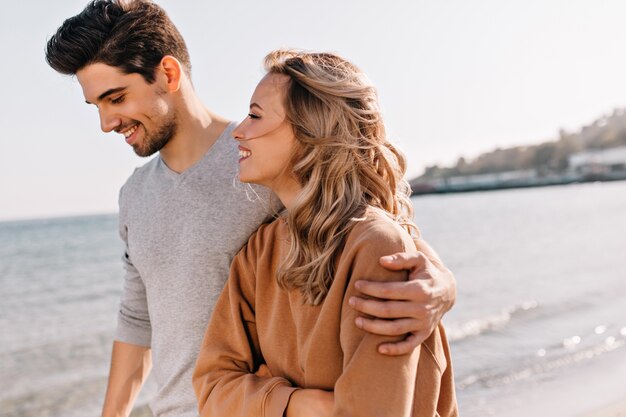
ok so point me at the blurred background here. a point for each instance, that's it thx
(520, 103)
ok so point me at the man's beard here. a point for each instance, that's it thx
(154, 142)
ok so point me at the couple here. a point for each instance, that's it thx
(286, 336)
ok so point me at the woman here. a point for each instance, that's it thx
(282, 336)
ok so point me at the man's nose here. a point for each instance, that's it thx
(109, 121)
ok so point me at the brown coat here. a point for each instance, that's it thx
(257, 323)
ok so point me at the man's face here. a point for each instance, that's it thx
(127, 104)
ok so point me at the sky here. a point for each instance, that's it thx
(455, 78)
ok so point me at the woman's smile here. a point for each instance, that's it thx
(244, 153)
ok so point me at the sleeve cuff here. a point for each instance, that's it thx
(277, 400)
(133, 335)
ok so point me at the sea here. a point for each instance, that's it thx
(538, 328)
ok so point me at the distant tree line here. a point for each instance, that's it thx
(548, 157)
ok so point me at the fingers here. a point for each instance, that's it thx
(404, 260)
(383, 309)
(419, 290)
(404, 346)
(388, 327)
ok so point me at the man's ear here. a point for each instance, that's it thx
(172, 70)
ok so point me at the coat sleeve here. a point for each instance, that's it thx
(229, 378)
(372, 384)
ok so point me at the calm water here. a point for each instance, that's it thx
(540, 316)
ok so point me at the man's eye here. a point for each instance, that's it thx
(253, 116)
(117, 100)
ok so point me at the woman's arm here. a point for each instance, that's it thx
(311, 403)
(413, 308)
(372, 384)
(229, 378)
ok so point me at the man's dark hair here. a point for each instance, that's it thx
(131, 35)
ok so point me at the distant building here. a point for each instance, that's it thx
(591, 165)
(601, 162)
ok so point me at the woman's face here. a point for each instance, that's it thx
(266, 139)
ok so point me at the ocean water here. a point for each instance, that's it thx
(540, 322)
(539, 327)
(60, 282)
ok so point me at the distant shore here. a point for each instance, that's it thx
(465, 184)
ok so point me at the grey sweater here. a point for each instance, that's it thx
(181, 232)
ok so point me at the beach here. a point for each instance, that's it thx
(617, 409)
(538, 329)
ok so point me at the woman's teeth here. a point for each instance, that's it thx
(244, 154)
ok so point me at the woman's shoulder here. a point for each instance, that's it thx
(266, 235)
(378, 221)
(269, 228)
(376, 228)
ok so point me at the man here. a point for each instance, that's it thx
(181, 217)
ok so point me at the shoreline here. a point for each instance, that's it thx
(420, 189)
(615, 409)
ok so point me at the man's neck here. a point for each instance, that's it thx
(197, 130)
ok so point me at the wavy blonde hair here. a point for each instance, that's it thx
(342, 159)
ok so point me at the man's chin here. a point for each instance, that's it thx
(149, 147)
(144, 153)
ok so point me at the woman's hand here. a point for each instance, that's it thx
(310, 403)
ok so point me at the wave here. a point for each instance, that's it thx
(476, 327)
(565, 354)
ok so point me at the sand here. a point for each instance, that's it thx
(617, 409)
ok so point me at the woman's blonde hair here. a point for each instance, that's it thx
(342, 159)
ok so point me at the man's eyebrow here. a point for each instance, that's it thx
(108, 93)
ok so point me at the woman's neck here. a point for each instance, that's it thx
(287, 191)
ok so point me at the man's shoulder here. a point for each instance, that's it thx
(138, 178)
(142, 173)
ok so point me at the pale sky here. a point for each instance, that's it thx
(454, 78)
